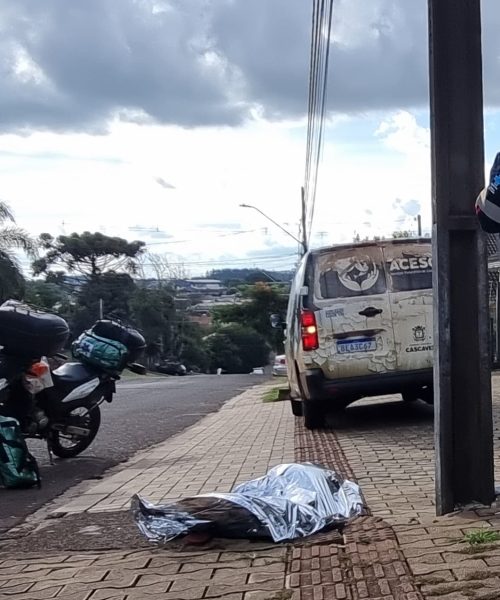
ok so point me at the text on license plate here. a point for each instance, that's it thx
(356, 345)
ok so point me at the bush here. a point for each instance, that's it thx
(236, 349)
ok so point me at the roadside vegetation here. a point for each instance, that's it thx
(78, 275)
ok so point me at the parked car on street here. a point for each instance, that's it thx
(359, 323)
(279, 366)
(170, 367)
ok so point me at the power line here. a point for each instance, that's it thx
(222, 235)
(318, 75)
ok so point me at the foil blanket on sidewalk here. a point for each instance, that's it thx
(292, 501)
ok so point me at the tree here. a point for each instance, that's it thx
(236, 349)
(114, 290)
(193, 353)
(357, 238)
(396, 235)
(154, 313)
(161, 267)
(47, 295)
(263, 300)
(12, 238)
(89, 254)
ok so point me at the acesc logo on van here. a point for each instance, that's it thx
(413, 263)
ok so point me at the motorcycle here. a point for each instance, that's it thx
(61, 405)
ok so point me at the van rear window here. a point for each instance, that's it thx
(346, 276)
(410, 271)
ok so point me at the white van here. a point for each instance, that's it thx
(359, 323)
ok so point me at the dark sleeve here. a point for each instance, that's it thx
(495, 169)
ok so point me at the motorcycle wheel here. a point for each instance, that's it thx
(70, 445)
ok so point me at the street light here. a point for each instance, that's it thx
(301, 243)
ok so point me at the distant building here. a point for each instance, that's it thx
(201, 286)
(201, 313)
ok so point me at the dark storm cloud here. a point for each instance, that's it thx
(74, 65)
(378, 59)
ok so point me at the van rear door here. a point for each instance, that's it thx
(353, 315)
(409, 279)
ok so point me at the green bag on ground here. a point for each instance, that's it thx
(18, 468)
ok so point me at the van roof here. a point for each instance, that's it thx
(415, 240)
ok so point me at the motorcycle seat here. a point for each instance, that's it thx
(71, 375)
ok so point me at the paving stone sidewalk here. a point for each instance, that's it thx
(243, 440)
(399, 551)
(393, 461)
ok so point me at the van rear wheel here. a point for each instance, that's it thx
(314, 414)
(297, 408)
(410, 396)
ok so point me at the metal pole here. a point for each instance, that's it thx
(419, 225)
(463, 414)
(101, 308)
(497, 320)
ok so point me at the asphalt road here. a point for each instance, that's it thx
(144, 412)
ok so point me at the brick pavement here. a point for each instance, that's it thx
(233, 572)
(241, 441)
(394, 464)
(370, 563)
(398, 551)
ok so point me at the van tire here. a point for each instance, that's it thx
(314, 414)
(427, 395)
(297, 408)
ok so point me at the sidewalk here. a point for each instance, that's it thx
(85, 547)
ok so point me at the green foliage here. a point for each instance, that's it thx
(11, 279)
(12, 238)
(193, 353)
(154, 312)
(263, 301)
(47, 295)
(115, 291)
(357, 238)
(272, 395)
(401, 234)
(236, 349)
(474, 538)
(90, 254)
(233, 277)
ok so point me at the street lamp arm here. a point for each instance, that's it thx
(272, 221)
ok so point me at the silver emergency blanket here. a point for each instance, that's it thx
(292, 501)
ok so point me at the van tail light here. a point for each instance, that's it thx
(309, 331)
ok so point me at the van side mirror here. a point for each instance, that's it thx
(277, 321)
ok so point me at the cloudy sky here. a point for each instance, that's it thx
(155, 119)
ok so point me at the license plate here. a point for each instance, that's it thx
(357, 345)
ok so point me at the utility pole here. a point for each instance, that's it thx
(462, 384)
(419, 225)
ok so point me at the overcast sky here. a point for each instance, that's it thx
(156, 118)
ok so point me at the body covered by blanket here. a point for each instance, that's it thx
(291, 501)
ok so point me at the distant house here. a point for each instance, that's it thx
(201, 286)
(201, 313)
